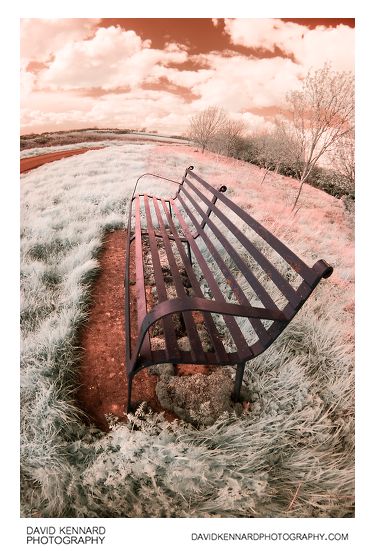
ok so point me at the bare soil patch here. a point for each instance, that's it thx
(103, 383)
(34, 162)
(204, 391)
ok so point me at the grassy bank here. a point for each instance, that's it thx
(299, 432)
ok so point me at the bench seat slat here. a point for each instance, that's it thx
(169, 332)
(191, 330)
(282, 284)
(216, 341)
(292, 259)
(231, 323)
(140, 276)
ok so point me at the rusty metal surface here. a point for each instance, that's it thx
(195, 215)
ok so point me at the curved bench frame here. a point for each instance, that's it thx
(141, 355)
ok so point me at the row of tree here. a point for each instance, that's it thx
(318, 121)
(213, 129)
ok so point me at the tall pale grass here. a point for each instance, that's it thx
(290, 455)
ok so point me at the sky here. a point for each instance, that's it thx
(154, 74)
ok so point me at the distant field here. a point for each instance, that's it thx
(297, 439)
(48, 139)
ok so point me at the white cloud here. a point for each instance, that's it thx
(310, 47)
(79, 56)
(56, 101)
(134, 108)
(110, 59)
(40, 121)
(254, 123)
(239, 82)
(335, 45)
(236, 83)
(187, 79)
(27, 83)
(40, 38)
(153, 109)
(262, 33)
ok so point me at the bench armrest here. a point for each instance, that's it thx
(176, 305)
(199, 304)
(155, 176)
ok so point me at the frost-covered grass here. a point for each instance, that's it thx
(107, 139)
(290, 455)
(34, 151)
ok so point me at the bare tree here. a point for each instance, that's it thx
(271, 150)
(227, 139)
(206, 125)
(343, 159)
(322, 114)
(262, 152)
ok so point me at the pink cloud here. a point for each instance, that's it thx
(263, 33)
(40, 38)
(237, 83)
(253, 123)
(134, 108)
(240, 82)
(187, 79)
(150, 108)
(310, 47)
(137, 85)
(56, 101)
(111, 58)
(27, 83)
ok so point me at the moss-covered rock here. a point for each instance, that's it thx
(198, 399)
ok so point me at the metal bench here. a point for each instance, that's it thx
(205, 283)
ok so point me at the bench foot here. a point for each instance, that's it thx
(238, 382)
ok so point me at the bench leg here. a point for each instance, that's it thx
(130, 382)
(189, 252)
(238, 381)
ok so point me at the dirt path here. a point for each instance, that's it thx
(102, 378)
(103, 385)
(33, 162)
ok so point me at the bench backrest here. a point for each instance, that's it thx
(248, 263)
(235, 259)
